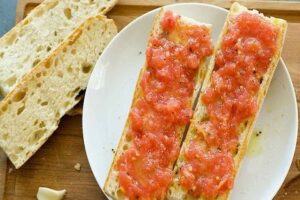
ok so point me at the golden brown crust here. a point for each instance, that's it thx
(176, 191)
(109, 6)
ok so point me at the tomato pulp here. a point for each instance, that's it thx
(159, 115)
(242, 60)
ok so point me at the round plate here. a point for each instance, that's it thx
(111, 87)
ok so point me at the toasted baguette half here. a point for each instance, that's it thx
(32, 111)
(112, 187)
(33, 39)
(176, 192)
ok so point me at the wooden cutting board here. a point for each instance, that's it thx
(53, 165)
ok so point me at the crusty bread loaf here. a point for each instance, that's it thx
(32, 40)
(32, 111)
(176, 192)
(112, 187)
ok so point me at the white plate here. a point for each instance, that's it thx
(110, 90)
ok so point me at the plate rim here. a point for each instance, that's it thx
(295, 139)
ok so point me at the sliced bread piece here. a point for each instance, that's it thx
(177, 36)
(32, 40)
(176, 191)
(32, 111)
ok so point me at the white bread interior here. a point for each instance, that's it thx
(31, 112)
(41, 32)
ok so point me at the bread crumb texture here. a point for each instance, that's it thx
(33, 39)
(32, 111)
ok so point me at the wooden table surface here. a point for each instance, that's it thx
(53, 164)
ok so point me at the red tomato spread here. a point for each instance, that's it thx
(160, 113)
(242, 60)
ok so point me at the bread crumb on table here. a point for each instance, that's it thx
(10, 170)
(77, 166)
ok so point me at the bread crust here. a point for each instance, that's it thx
(31, 78)
(176, 192)
(111, 186)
